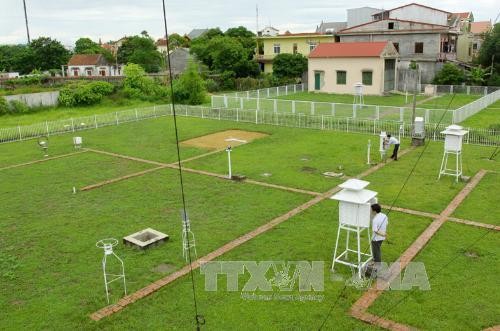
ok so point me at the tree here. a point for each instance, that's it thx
(137, 85)
(450, 74)
(244, 36)
(142, 51)
(289, 65)
(18, 58)
(190, 87)
(87, 46)
(477, 76)
(48, 53)
(490, 49)
(176, 40)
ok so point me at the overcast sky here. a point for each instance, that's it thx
(68, 20)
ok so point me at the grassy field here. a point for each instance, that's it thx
(487, 118)
(449, 101)
(50, 268)
(389, 100)
(58, 113)
(461, 262)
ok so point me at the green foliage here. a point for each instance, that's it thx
(4, 107)
(413, 65)
(230, 52)
(176, 40)
(211, 85)
(16, 58)
(137, 85)
(18, 107)
(34, 79)
(190, 87)
(141, 50)
(289, 65)
(450, 74)
(48, 53)
(84, 93)
(494, 79)
(477, 76)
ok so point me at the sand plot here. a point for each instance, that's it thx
(223, 139)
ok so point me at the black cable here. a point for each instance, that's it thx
(394, 201)
(198, 318)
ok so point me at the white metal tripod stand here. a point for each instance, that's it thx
(107, 245)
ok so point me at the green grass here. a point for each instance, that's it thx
(463, 265)
(50, 269)
(449, 101)
(488, 118)
(57, 113)
(390, 100)
(27, 89)
(480, 205)
(309, 236)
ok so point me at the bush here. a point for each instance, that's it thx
(137, 85)
(18, 107)
(4, 107)
(190, 87)
(84, 93)
(450, 74)
(211, 85)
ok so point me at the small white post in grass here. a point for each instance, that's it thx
(74, 190)
(136, 115)
(401, 131)
(72, 124)
(333, 109)
(228, 150)
(369, 150)
(383, 145)
(95, 121)
(47, 127)
(116, 117)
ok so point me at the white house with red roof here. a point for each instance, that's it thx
(90, 65)
(337, 67)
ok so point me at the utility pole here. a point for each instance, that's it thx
(26, 20)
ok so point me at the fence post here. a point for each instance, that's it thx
(212, 101)
(47, 127)
(225, 101)
(402, 114)
(116, 117)
(258, 94)
(451, 89)
(286, 89)
(202, 115)
(237, 115)
(268, 92)
(136, 115)
(219, 112)
(275, 105)
(353, 110)
(312, 108)
(347, 121)
(258, 104)
(154, 110)
(377, 110)
(72, 124)
(256, 116)
(19, 130)
(293, 107)
(485, 90)
(294, 88)
(95, 121)
(248, 95)
(302, 87)
(333, 109)
(322, 122)
(277, 91)
(427, 116)
(241, 103)
(468, 90)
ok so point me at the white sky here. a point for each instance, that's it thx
(68, 20)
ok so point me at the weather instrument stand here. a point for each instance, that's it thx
(107, 245)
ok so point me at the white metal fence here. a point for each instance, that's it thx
(462, 89)
(296, 120)
(270, 92)
(462, 113)
(393, 113)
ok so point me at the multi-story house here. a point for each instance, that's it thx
(292, 43)
(479, 30)
(419, 33)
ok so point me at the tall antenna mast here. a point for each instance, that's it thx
(257, 32)
(26, 20)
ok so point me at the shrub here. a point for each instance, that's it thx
(211, 85)
(18, 107)
(137, 85)
(190, 87)
(4, 107)
(84, 93)
(450, 74)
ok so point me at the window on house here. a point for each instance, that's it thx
(341, 77)
(337, 39)
(391, 26)
(295, 48)
(312, 46)
(277, 48)
(75, 72)
(88, 71)
(367, 77)
(419, 48)
(396, 46)
(474, 46)
(102, 72)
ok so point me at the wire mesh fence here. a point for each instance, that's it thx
(269, 92)
(287, 119)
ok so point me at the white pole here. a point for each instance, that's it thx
(228, 150)
(369, 147)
